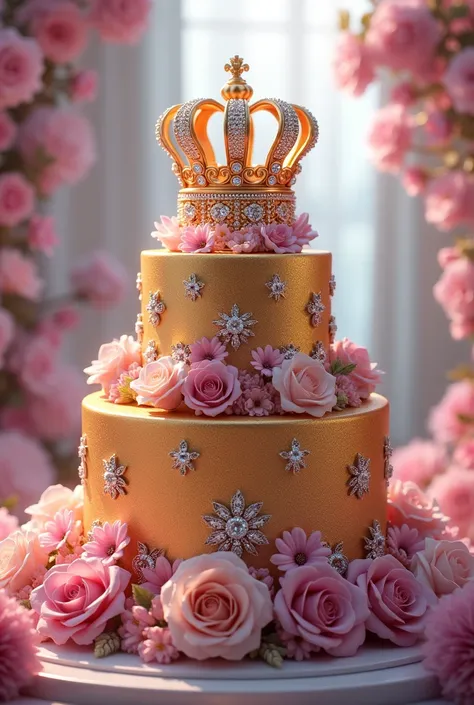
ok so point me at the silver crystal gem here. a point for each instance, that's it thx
(82, 454)
(254, 212)
(332, 329)
(201, 180)
(387, 454)
(192, 287)
(235, 327)
(145, 559)
(236, 168)
(277, 287)
(289, 351)
(275, 168)
(139, 328)
(375, 543)
(359, 481)
(181, 353)
(189, 211)
(337, 559)
(151, 352)
(139, 284)
(197, 168)
(272, 180)
(295, 457)
(236, 180)
(282, 211)
(155, 308)
(183, 458)
(318, 352)
(219, 212)
(236, 527)
(315, 308)
(332, 285)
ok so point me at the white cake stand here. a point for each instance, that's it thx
(377, 675)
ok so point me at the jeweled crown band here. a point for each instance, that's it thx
(236, 208)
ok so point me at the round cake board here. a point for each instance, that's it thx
(377, 675)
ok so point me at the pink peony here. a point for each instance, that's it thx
(390, 137)
(61, 32)
(398, 603)
(458, 80)
(38, 365)
(156, 577)
(245, 241)
(353, 65)
(464, 454)
(65, 138)
(113, 359)
(160, 384)
(296, 549)
(168, 233)
(211, 387)
(443, 566)
(449, 421)
(99, 279)
(404, 543)
(7, 331)
(419, 461)
(107, 542)
(320, 606)
(414, 179)
(57, 415)
(303, 231)
(448, 648)
(8, 523)
(365, 374)
(21, 557)
(454, 491)
(407, 504)
(17, 198)
(42, 234)
(403, 35)
(53, 499)
(62, 530)
(76, 600)
(84, 86)
(18, 641)
(455, 293)
(266, 359)
(19, 275)
(207, 349)
(305, 386)
(21, 68)
(157, 646)
(122, 21)
(449, 200)
(215, 608)
(199, 239)
(8, 131)
(279, 238)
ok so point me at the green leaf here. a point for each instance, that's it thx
(142, 596)
(338, 368)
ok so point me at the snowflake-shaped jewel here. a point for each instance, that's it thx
(237, 528)
(277, 287)
(114, 483)
(183, 458)
(387, 454)
(332, 329)
(82, 453)
(155, 308)
(235, 327)
(318, 352)
(139, 328)
(332, 285)
(295, 457)
(139, 284)
(315, 308)
(359, 482)
(337, 559)
(193, 287)
(181, 353)
(289, 351)
(90, 533)
(151, 352)
(145, 559)
(375, 544)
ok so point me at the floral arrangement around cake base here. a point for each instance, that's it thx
(60, 583)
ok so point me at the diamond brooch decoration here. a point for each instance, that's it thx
(114, 483)
(151, 352)
(181, 353)
(387, 454)
(183, 458)
(315, 308)
(337, 559)
(235, 327)
(332, 285)
(375, 543)
(145, 559)
(139, 284)
(289, 351)
(237, 528)
(332, 329)
(277, 287)
(360, 476)
(318, 352)
(139, 332)
(193, 287)
(295, 457)
(254, 212)
(82, 454)
(155, 308)
(219, 212)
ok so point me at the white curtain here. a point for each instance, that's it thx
(384, 254)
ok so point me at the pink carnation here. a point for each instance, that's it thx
(404, 543)
(419, 461)
(168, 233)
(207, 349)
(297, 648)
(303, 231)
(449, 200)
(21, 68)
(53, 499)
(60, 531)
(8, 523)
(266, 359)
(42, 234)
(279, 238)
(157, 576)
(390, 137)
(8, 131)
(449, 420)
(296, 549)
(353, 65)
(57, 415)
(458, 80)
(157, 646)
(347, 392)
(61, 32)
(122, 21)
(244, 241)
(258, 402)
(211, 387)
(365, 374)
(113, 359)
(414, 179)
(17, 198)
(455, 293)
(7, 331)
(407, 504)
(305, 386)
(99, 279)
(160, 384)
(454, 491)
(84, 86)
(107, 542)
(198, 240)
(443, 566)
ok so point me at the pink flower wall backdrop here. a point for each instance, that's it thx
(45, 144)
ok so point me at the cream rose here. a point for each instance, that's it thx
(21, 559)
(159, 384)
(443, 566)
(53, 499)
(305, 386)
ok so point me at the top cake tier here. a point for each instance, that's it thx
(247, 301)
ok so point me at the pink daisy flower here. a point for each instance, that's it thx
(62, 530)
(158, 646)
(258, 402)
(263, 574)
(207, 349)
(156, 577)
(107, 542)
(200, 239)
(266, 359)
(403, 543)
(297, 648)
(296, 549)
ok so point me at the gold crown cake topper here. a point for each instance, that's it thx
(238, 193)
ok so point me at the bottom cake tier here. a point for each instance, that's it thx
(162, 473)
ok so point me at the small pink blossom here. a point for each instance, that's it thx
(303, 231)
(263, 574)
(19, 275)
(222, 235)
(42, 234)
(404, 93)
(279, 238)
(419, 461)
(53, 499)
(464, 454)
(21, 557)
(67, 554)
(61, 32)
(266, 359)
(449, 200)
(66, 317)
(347, 392)
(157, 646)
(7, 331)
(305, 386)
(8, 131)
(258, 402)
(447, 255)
(113, 359)
(390, 137)
(365, 374)
(121, 392)
(208, 349)
(458, 80)
(454, 491)
(8, 523)
(99, 279)
(449, 420)
(455, 293)
(198, 240)
(56, 416)
(130, 632)
(296, 549)
(211, 387)
(297, 648)
(160, 384)
(17, 198)
(61, 530)
(244, 241)
(21, 68)
(84, 86)
(407, 504)
(122, 21)
(38, 366)
(163, 571)
(107, 542)
(443, 566)
(168, 233)
(438, 128)
(414, 179)
(404, 543)
(353, 64)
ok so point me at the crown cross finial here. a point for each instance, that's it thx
(236, 86)
(236, 66)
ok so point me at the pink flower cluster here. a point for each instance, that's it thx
(455, 291)
(356, 376)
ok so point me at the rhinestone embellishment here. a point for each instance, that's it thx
(189, 211)
(295, 457)
(183, 458)
(145, 559)
(193, 287)
(139, 285)
(197, 168)
(359, 482)
(235, 327)
(201, 180)
(114, 483)
(332, 329)
(237, 528)
(332, 285)
(282, 211)
(277, 287)
(82, 454)
(387, 454)
(181, 353)
(254, 212)
(236, 180)
(318, 352)
(155, 308)
(219, 212)
(236, 168)
(139, 328)
(337, 559)
(289, 351)
(275, 168)
(375, 543)
(315, 308)
(151, 352)
(272, 180)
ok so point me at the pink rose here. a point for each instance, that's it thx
(42, 234)
(279, 238)
(21, 557)
(54, 499)
(414, 180)
(57, 415)
(323, 608)
(455, 293)
(443, 566)
(365, 375)
(458, 80)
(7, 330)
(84, 86)
(211, 387)
(61, 32)
(419, 461)
(398, 603)
(168, 233)
(38, 365)
(160, 383)
(304, 385)
(450, 420)
(76, 600)
(113, 359)
(21, 68)
(17, 198)
(464, 454)
(407, 504)
(454, 490)
(353, 65)
(122, 21)
(99, 279)
(8, 131)
(449, 200)
(215, 608)
(390, 137)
